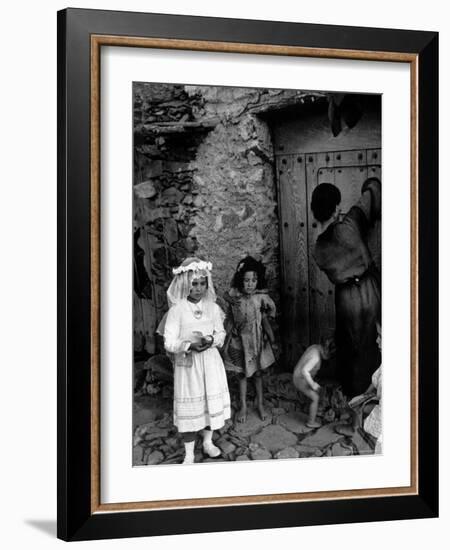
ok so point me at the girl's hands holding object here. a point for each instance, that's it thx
(197, 346)
(202, 344)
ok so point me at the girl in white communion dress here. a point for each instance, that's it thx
(192, 333)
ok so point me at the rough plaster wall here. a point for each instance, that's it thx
(234, 176)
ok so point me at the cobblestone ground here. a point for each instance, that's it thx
(283, 434)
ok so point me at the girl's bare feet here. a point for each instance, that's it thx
(262, 412)
(241, 415)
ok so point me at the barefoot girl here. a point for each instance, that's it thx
(248, 350)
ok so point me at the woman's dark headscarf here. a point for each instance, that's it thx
(325, 198)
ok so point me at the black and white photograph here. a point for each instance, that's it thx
(257, 328)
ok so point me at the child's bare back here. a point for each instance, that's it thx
(307, 366)
(305, 370)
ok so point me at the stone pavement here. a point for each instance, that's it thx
(282, 435)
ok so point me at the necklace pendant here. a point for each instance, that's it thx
(197, 312)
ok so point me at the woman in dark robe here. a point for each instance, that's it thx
(341, 252)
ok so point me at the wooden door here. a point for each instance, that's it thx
(308, 296)
(294, 255)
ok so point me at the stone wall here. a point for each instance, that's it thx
(165, 142)
(204, 185)
(234, 176)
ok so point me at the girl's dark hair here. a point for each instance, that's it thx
(325, 198)
(245, 265)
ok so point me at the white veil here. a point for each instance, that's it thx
(190, 269)
(180, 287)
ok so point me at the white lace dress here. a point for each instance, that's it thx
(201, 396)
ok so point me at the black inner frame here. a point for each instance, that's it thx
(75, 521)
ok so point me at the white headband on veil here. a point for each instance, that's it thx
(190, 269)
(194, 265)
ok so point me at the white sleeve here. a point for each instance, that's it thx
(172, 341)
(218, 330)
